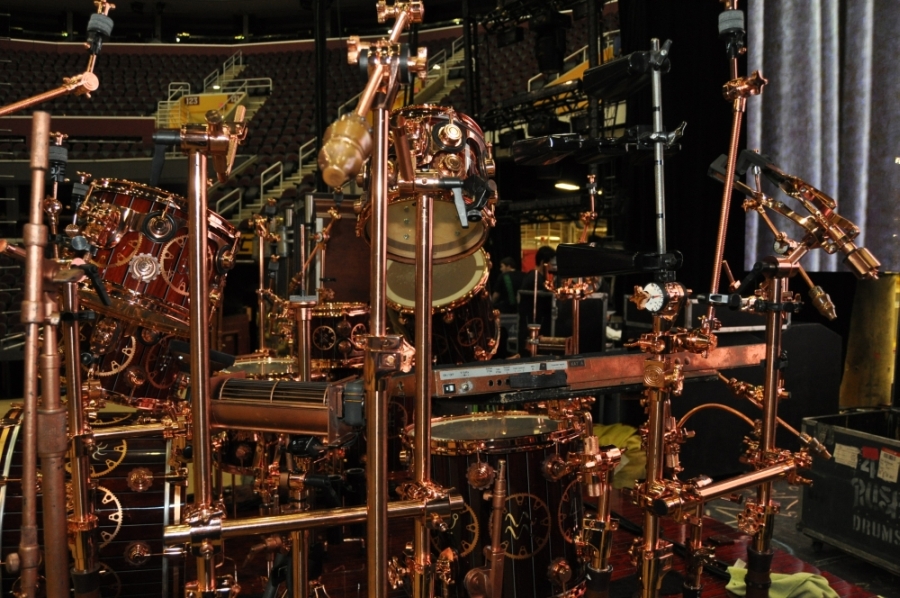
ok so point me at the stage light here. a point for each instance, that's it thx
(567, 186)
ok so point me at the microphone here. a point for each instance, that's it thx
(347, 144)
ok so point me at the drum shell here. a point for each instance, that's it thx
(162, 302)
(125, 513)
(541, 515)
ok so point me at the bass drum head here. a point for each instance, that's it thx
(451, 240)
(453, 283)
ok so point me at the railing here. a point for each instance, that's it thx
(170, 113)
(235, 172)
(230, 66)
(578, 56)
(229, 201)
(306, 150)
(273, 173)
(247, 85)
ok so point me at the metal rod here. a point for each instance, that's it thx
(52, 445)
(286, 523)
(35, 237)
(82, 518)
(576, 324)
(299, 571)
(34, 101)
(693, 579)
(739, 106)
(377, 398)
(659, 175)
(423, 582)
(261, 300)
(303, 316)
(649, 567)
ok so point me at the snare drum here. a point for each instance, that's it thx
(464, 327)
(447, 144)
(141, 238)
(542, 512)
(133, 501)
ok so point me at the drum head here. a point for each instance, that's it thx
(498, 432)
(453, 283)
(451, 240)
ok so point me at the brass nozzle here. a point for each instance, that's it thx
(822, 302)
(346, 146)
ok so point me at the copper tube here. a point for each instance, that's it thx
(659, 175)
(498, 550)
(376, 74)
(404, 159)
(698, 408)
(576, 325)
(34, 101)
(299, 572)
(376, 398)
(739, 106)
(423, 582)
(303, 310)
(13, 251)
(762, 540)
(291, 522)
(649, 567)
(261, 300)
(52, 444)
(35, 236)
(693, 579)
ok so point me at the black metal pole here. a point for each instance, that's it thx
(468, 58)
(320, 14)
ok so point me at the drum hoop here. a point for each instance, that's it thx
(488, 446)
(477, 289)
(340, 309)
(487, 221)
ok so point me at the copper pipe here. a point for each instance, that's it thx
(699, 408)
(739, 106)
(377, 398)
(498, 550)
(35, 100)
(303, 314)
(576, 325)
(300, 564)
(377, 73)
(659, 175)
(762, 540)
(423, 582)
(291, 522)
(52, 443)
(649, 569)
(261, 300)
(693, 579)
(13, 251)
(199, 340)
(35, 237)
(82, 517)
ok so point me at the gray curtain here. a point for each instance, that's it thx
(830, 114)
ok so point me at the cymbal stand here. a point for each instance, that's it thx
(737, 90)
(99, 28)
(346, 145)
(218, 139)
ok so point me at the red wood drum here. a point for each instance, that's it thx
(541, 513)
(133, 502)
(140, 234)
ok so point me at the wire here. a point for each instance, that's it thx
(731, 410)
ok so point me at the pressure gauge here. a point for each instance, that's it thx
(655, 297)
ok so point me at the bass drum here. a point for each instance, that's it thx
(140, 234)
(133, 502)
(543, 509)
(464, 326)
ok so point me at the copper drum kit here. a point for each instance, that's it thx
(381, 410)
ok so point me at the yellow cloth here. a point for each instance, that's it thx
(633, 458)
(794, 585)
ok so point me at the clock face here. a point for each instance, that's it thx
(657, 297)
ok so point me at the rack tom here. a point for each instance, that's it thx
(140, 236)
